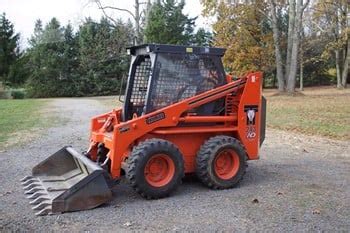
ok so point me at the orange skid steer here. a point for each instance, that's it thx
(181, 115)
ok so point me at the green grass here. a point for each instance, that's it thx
(324, 112)
(18, 117)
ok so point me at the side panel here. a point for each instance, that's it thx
(249, 115)
(262, 120)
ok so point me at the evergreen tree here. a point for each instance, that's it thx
(202, 38)
(102, 55)
(70, 64)
(19, 71)
(47, 62)
(87, 56)
(89, 62)
(36, 38)
(9, 49)
(167, 24)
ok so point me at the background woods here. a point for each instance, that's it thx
(296, 43)
(308, 41)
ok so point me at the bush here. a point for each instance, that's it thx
(5, 94)
(18, 94)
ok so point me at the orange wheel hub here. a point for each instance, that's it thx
(159, 170)
(226, 164)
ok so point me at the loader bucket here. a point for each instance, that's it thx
(66, 181)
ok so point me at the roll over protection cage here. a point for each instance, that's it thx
(161, 75)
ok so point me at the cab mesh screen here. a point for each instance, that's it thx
(180, 76)
(139, 89)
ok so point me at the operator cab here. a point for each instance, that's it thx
(161, 75)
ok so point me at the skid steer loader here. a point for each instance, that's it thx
(181, 115)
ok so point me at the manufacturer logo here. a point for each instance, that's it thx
(124, 129)
(251, 111)
(155, 118)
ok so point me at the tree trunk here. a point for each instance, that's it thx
(291, 78)
(338, 68)
(293, 65)
(345, 71)
(301, 84)
(278, 55)
(301, 61)
(137, 22)
(291, 27)
(147, 11)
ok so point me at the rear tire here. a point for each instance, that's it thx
(221, 162)
(155, 168)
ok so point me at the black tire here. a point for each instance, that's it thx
(136, 163)
(206, 158)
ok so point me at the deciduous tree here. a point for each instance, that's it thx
(243, 29)
(332, 19)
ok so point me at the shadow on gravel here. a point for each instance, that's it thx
(191, 186)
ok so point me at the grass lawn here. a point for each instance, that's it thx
(18, 117)
(320, 111)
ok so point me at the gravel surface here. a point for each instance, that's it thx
(301, 183)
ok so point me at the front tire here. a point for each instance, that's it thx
(221, 162)
(155, 168)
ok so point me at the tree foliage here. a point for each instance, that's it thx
(202, 38)
(243, 30)
(332, 19)
(256, 32)
(167, 24)
(9, 50)
(46, 61)
(287, 38)
(89, 62)
(103, 60)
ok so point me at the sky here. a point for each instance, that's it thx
(23, 13)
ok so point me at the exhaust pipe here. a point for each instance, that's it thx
(64, 182)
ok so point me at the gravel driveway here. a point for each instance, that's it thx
(301, 183)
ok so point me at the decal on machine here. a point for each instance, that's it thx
(124, 129)
(155, 118)
(251, 111)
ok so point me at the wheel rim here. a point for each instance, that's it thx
(226, 164)
(159, 170)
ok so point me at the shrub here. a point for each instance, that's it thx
(18, 94)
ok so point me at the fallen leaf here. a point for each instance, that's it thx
(316, 211)
(255, 200)
(127, 224)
